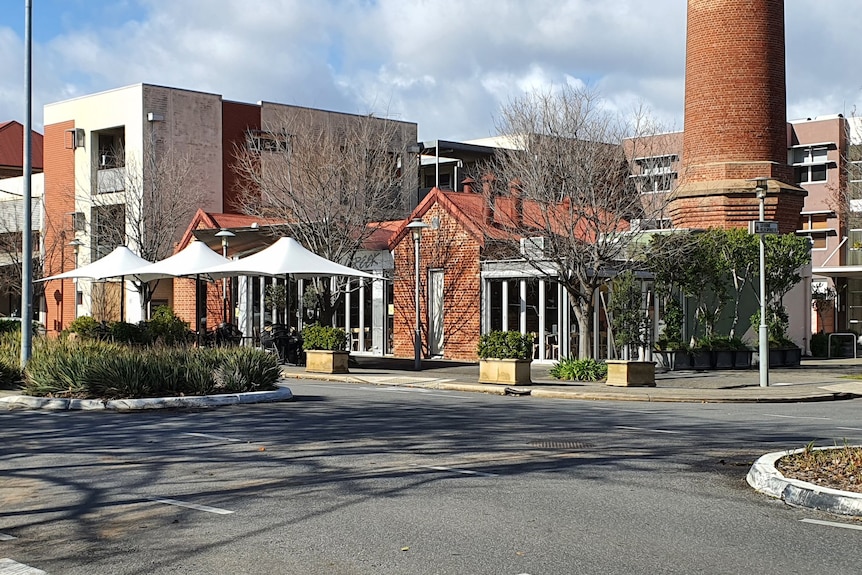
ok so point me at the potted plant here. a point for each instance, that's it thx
(782, 351)
(325, 349)
(631, 326)
(505, 357)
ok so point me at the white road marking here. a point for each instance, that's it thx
(644, 429)
(191, 506)
(9, 567)
(850, 428)
(208, 436)
(795, 416)
(832, 524)
(7, 537)
(454, 470)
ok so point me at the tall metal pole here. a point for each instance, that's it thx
(27, 232)
(417, 336)
(763, 350)
(415, 227)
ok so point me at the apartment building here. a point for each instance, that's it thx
(106, 156)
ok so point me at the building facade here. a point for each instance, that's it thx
(109, 156)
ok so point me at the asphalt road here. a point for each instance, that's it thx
(350, 479)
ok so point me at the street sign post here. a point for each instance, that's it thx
(762, 227)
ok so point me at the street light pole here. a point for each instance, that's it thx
(416, 227)
(224, 235)
(27, 208)
(763, 348)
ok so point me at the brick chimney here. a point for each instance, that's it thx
(467, 185)
(490, 194)
(735, 117)
(517, 215)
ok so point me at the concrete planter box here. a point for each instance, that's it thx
(505, 371)
(325, 361)
(631, 373)
(742, 359)
(785, 357)
(672, 359)
(702, 359)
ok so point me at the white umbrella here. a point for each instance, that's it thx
(120, 262)
(191, 261)
(286, 256)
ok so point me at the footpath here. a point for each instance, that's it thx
(813, 380)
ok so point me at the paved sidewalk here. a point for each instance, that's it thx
(814, 380)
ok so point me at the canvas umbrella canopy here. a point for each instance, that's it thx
(191, 261)
(120, 262)
(285, 257)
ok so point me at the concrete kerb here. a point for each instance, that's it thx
(765, 478)
(283, 393)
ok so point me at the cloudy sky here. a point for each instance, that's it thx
(447, 65)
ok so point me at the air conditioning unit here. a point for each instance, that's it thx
(533, 248)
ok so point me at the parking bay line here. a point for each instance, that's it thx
(194, 506)
(645, 429)
(9, 567)
(454, 470)
(208, 436)
(831, 524)
(795, 416)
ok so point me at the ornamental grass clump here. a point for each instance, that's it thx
(11, 376)
(572, 369)
(96, 369)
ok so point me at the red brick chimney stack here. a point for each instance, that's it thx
(735, 117)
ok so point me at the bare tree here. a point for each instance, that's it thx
(570, 186)
(146, 202)
(332, 179)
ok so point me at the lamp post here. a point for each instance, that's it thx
(76, 245)
(224, 235)
(760, 190)
(416, 227)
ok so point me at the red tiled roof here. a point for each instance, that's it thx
(12, 146)
(471, 210)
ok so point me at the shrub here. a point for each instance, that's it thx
(9, 326)
(324, 338)
(820, 345)
(573, 369)
(130, 333)
(86, 327)
(11, 376)
(505, 345)
(166, 328)
(722, 343)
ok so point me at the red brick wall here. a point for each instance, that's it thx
(184, 302)
(237, 118)
(59, 201)
(735, 96)
(735, 116)
(456, 252)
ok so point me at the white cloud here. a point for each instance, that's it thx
(446, 64)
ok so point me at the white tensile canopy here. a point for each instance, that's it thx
(285, 256)
(120, 262)
(196, 257)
